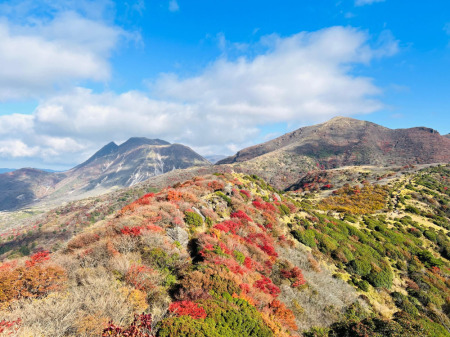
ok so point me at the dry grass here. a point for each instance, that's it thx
(325, 298)
(62, 314)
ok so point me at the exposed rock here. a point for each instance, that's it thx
(196, 210)
(178, 234)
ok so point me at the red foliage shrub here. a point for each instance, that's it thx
(187, 308)
(140, 327)
(295, 275)
(264, 242)
(266, 286)
(248, 262)
(132, 231)
(241, 215)
(244, 287)
(264, 206)
(228, 226)
(38, 258)
(216, 185)
(246, 193)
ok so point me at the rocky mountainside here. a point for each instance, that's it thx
(340, 142)
(113, 166)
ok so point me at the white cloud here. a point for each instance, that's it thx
(173, 6)
(366, 2)
(304, 77)
(38, 56)
(17, 148)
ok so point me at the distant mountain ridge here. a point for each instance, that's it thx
(215, 158)
(113, 166)
(340, 142)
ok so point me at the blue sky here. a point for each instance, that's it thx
(215, 75)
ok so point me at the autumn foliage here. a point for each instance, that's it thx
(187, 308)
(140, 327)
(30, 281)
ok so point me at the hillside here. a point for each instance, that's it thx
(227, 255)
(113, 166)
(337, 143)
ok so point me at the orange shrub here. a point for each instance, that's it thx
(29, 282)
(174, 195)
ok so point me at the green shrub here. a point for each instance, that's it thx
(306, 237)
(239, 256)
(284, 209)
(225, 318)
(360, 267)
(429, 260)
(364, 285)
(327, 244)
(381, 278)
(193, 219)
(412, 209)
(430, 235)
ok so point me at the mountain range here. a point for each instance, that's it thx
(113, 166)
(282, 162)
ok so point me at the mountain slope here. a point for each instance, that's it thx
(22, 187)
(113, 166)
(340, 142)
(227, 255)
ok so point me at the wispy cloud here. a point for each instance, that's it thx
(366, 2)
(304, 77)
(173, 6)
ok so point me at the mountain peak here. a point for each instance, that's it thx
(341, 141)
(106, 150)
(134, 142)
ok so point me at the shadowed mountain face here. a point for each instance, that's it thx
(447, 135)
(111, 167)
(341, 142)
